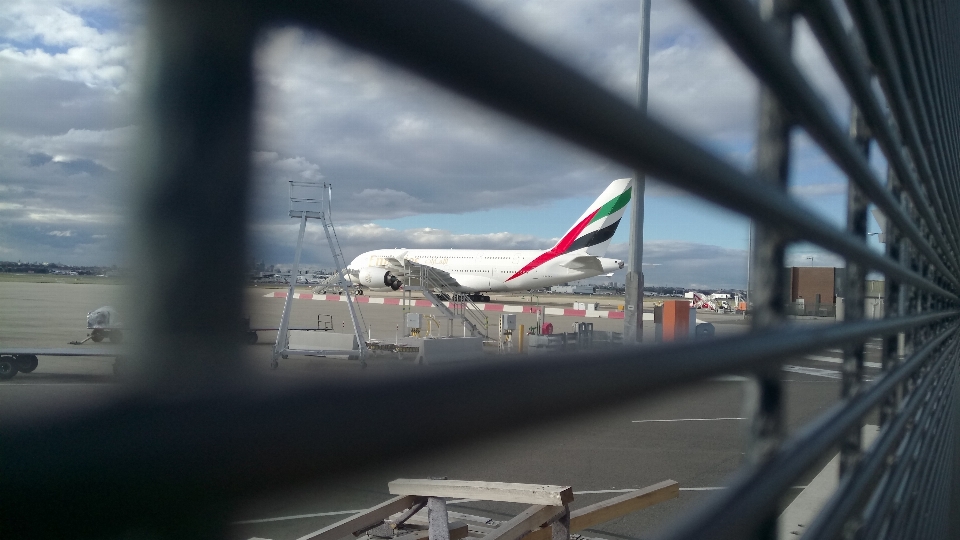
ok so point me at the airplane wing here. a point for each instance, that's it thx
(398, 264)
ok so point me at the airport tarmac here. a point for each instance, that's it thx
(695, 435)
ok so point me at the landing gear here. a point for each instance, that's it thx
(26, 363)
(359, 291)
(479, 297)
(8, 367)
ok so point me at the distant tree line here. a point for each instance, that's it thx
(17, 267)
(666, 291)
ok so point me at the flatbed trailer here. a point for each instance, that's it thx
(15, 360)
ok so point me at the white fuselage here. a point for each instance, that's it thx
(486, 270)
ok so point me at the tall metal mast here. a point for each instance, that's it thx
(633, 316)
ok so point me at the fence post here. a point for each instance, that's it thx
(192, 175)
(854, 295)
(769, 287)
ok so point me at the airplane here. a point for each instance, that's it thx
(577, 255)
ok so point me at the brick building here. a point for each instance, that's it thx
(815, 285)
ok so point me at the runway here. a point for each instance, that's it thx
(696, 435)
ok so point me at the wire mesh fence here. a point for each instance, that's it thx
(187, 458)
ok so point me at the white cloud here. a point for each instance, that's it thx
(108, 148)
(812, 256)
(689, 264)
(39, 38)
(60, 233)
(391, 144)
(59, 216)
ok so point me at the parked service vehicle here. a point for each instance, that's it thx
(104, 323)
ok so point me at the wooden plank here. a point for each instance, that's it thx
(473, 526)
(538, 494)
(364, 520)
(470, 519)
(529, 519)
(627, 503)
(479, 530)
(407, 514)
(458, 530)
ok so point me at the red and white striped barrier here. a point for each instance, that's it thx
(504, 308)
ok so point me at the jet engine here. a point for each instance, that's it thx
(378, 278)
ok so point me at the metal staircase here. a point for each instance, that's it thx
(421, 278)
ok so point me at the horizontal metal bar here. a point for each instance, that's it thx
(849, 492)
(917, 100)
(478, 59)
(867, 17)
(919, 440)
(926, 91)
(734, 513)
(740, 25)
(222, 444)
(827, 26)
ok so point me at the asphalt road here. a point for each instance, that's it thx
(634, 445)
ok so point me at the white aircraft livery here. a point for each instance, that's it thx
(577, 255)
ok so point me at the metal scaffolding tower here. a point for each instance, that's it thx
(311, 200)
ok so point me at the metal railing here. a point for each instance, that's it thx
(432, 285)
(173, 467)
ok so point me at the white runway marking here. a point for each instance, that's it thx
(299, 516)
(686, 420)
(813, 371)
(600, 491)
(833, 360)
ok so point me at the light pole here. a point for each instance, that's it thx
(633, 288)
(811, 260)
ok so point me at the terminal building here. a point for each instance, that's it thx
(819, 291)
(813, 290)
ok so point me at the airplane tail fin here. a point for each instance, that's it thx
(593, 231)
(591, 234)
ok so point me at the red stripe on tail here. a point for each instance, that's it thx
(558, 249)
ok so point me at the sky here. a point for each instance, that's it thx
(411, 164)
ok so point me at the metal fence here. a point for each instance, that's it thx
(170, 458)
